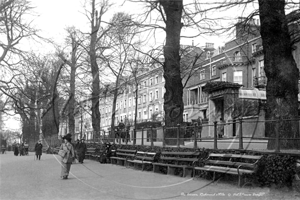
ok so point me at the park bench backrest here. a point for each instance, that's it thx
(125, 153)
(233, 160)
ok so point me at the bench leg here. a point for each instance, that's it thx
(240, 181)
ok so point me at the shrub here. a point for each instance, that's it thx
(276, 170)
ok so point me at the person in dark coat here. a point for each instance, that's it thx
(38, 149)
(16, 149)
(21, 148)
(76, 147)
(81, 151)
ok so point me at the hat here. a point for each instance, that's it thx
(68, 137)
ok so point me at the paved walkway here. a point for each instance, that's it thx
(26, 178)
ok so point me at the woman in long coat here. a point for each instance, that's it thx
(66, 166)
(38, 149)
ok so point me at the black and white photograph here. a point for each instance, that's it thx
(150, 99)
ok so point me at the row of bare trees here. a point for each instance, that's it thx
(110, 46)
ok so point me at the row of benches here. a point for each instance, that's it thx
(185, 163)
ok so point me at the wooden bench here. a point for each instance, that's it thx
(90, 152)
(176, 162)
(236, 164)
(122, 155)
(142, 159)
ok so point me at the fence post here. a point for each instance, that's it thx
(126, 137)
(134, 136)
(120, 136)
(178, 134)
(164, 135)
(152, 144)
(241, 134)
(277, 143)
(215, 135)
(195, 136)
(142, 143)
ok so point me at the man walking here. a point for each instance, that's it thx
(81, 151)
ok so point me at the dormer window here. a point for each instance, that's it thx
(207, 54)
(237, 56)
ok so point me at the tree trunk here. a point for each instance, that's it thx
(95, 24)
(173, 103)
(113, 114)
(72, 93)
(282, 74)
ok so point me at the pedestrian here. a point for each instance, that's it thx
(66, 161)
(21, 148)
(3, 148)
(81, 151)
(38, 149)
(26, 147)
(76, 147)
(16, 149)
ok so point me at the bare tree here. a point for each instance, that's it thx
(97, 32)
(123, 35)
(74, 40)
(13, 29)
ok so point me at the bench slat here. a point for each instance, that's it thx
(224, 169)
(235, 156)
(229, 163)
(180, 153)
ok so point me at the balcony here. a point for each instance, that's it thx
(260, 82)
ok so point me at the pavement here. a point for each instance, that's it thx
(23, 177)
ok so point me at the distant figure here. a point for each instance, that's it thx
(38, 149)
(21, 149)
(66, 161)
(76, 147)
(221, 128)
(16, 149)
(3, 148)
(26, 148)
(81, 151)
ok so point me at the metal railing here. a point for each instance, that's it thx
(234, 134)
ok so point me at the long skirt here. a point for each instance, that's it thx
(65, 169)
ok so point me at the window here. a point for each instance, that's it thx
(151, 81)
(125, 103)
(150, 96)
(145, 113)
(150, 113)
(156, 94)
(156, 79)
(237, 56)
(253, 75)
(129, 103)
(139, 100)
(224, 76)
(213, 70)
(254, 45)
(238, 77)
(202, 74)
(144, 99)
(145, 83)
(140, 114)
(261, 68)
(208, 55)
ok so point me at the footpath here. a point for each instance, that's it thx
(23, 177)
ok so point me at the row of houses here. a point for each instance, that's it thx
(235, 71)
